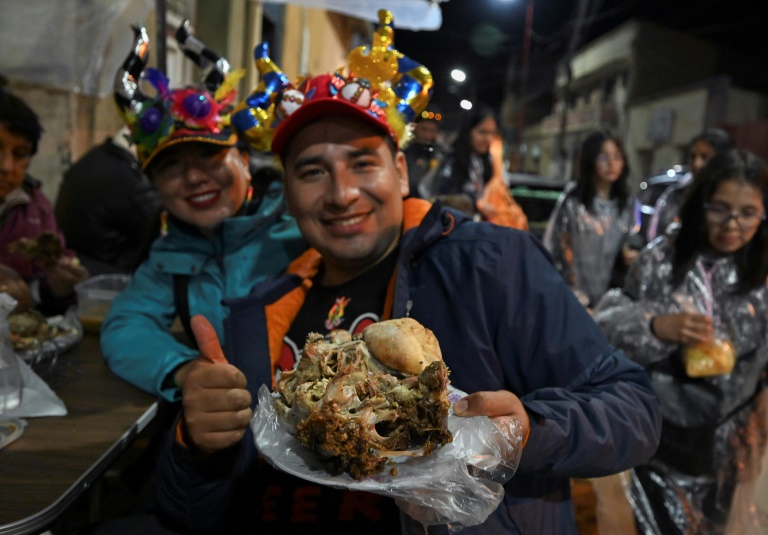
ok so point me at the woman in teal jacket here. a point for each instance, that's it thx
(136, 338)
(216, 242)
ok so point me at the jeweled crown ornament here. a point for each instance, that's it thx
(383, 87)
(173, 116)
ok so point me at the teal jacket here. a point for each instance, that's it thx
(136, 338)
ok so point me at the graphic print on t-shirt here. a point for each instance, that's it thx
(336, 314)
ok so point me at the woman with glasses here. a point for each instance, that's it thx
(694, 311)
(592, 220)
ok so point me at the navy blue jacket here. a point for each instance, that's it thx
(505, 320)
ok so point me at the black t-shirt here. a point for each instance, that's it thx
(296, 505)
(352, 306)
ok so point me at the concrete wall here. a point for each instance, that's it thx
(316, 41)
(687, 110)
(692, 111)
(745, 106)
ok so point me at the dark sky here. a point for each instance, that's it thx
(485, 38)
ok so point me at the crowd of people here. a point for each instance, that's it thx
(612, 359)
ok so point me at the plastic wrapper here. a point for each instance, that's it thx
(585, 244)
(709, 358)
(459, 485)
(69, 44)
(729, 499)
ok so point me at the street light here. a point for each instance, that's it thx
(458, 75)
(467, 105)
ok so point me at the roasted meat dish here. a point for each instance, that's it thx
(354, 411)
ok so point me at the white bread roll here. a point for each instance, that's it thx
(402, 344)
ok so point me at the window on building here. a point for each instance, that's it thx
(608, 88)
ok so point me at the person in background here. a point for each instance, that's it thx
(217, 240)
(472, 178)
(107, 207)
(424, 153)
(701, 149)
(468, 167)
(694, 312)
(510, 331)
(45, 280)
(592, 220)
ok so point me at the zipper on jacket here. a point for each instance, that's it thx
(408, 306)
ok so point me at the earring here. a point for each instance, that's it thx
(164, 223)
(249, 195)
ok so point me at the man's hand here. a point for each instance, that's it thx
(496, 405)
(684, 328)
(64, 275)
(217, 407)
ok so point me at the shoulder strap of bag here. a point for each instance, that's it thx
(181, 298)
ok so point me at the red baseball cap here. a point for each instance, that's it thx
(327, 96)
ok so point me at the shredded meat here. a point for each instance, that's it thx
(354, 413)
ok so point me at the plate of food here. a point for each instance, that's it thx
(36, 338)
(373, 412)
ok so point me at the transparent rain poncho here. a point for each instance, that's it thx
(585, 244)
(703, 478)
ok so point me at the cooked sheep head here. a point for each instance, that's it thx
(354, 411)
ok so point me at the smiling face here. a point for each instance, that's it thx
(733, 197)
(201, 183)
(345, 189)
(15, 156)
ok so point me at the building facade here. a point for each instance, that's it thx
(654, 87)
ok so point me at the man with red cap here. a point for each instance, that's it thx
(511, 332)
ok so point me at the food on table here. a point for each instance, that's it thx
(30, 329)
(92, 316)
(709, 358)
(44, 250)
(356, 400)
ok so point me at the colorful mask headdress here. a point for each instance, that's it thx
(383, 87)
(175, 116)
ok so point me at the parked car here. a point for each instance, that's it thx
(650, 190)
(537, 196)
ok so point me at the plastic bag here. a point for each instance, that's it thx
(705, 359)
(459, 485)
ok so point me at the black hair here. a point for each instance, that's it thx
(462, 146)
(19, 118)
(752, 259)
(585, 189)
(717, 138)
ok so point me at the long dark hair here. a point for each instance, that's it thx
(462, 146)
(19, 118)
(718, 139)
(585, 189)
(752, 259)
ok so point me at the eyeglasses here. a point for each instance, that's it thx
(720, 215)
(604, 159)
(171, 165)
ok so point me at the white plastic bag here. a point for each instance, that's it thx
(459, 485)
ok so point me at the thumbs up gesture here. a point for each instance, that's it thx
(217, 407)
